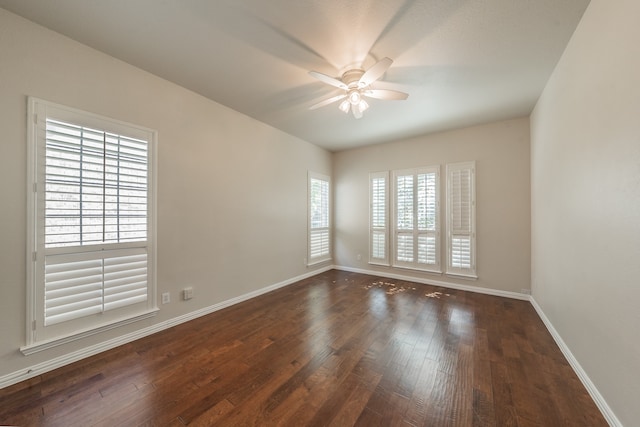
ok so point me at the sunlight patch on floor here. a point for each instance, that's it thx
(390, 288)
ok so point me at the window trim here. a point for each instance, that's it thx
(437, 268)
(467, 273)
(328, 256)
(36, 337)
(381, 230)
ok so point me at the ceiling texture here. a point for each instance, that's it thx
(462, 62)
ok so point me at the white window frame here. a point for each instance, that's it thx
(379, 228)
(461, 228)
(415, 233)
(318, 232)
(40, 336)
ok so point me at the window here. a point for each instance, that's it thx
(416, 234)
(319, 223)
(91, 224)
(461, 219)
(378, 220)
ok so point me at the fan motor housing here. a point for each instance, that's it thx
(351, 77)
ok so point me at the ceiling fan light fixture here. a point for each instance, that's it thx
(355, 97)
(345, 106)
(363, 105)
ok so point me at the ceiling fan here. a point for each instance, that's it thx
(356, 83)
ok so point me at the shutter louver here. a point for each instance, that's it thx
(404, 202)
(378, 203)
(427, 249)
(96, 187)
(404, 247)
(78, 285)
(379, 245)
(125, 279)
(427, 202)
(460, 252)
(461, 201)
(319, 243)
(72, 289)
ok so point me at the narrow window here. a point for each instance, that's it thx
(461, 218)
(378, 220)
(319, 220)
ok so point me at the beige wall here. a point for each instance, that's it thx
(232, 191)
(585, 173)
(501, 152)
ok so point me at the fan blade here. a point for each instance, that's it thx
(385, 94)
(328, 101)
(328, 79)
(375, 72)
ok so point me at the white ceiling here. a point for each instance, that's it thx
(462, 62)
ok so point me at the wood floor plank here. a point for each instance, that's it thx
(416, 413)
(338, 349)
(353, 404)
(483, 412)
(504, 409)
(213, 415)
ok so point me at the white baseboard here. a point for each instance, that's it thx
(605, 409)
(476, 289)
(50, 365)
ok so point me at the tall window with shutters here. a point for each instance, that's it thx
(461, 219)
(319, 232)
(379, 218)
(92, 224)
(416, 231)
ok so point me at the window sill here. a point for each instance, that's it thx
(54, 342)
(318, 261)
(463, 276)
(423, 270)
(382, 264)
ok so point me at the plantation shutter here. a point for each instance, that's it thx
(92, 222)
(416, 211)
(427, 218)
(461, 218)
(404, 217)
(378, 187)
(95, 194)
(319, 231)
(86, 283)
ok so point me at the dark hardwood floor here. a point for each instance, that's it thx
(337, 349)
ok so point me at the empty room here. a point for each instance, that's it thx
(320, 213)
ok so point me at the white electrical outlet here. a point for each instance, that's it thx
(166, 298)
(359, 257)
(187, 293)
